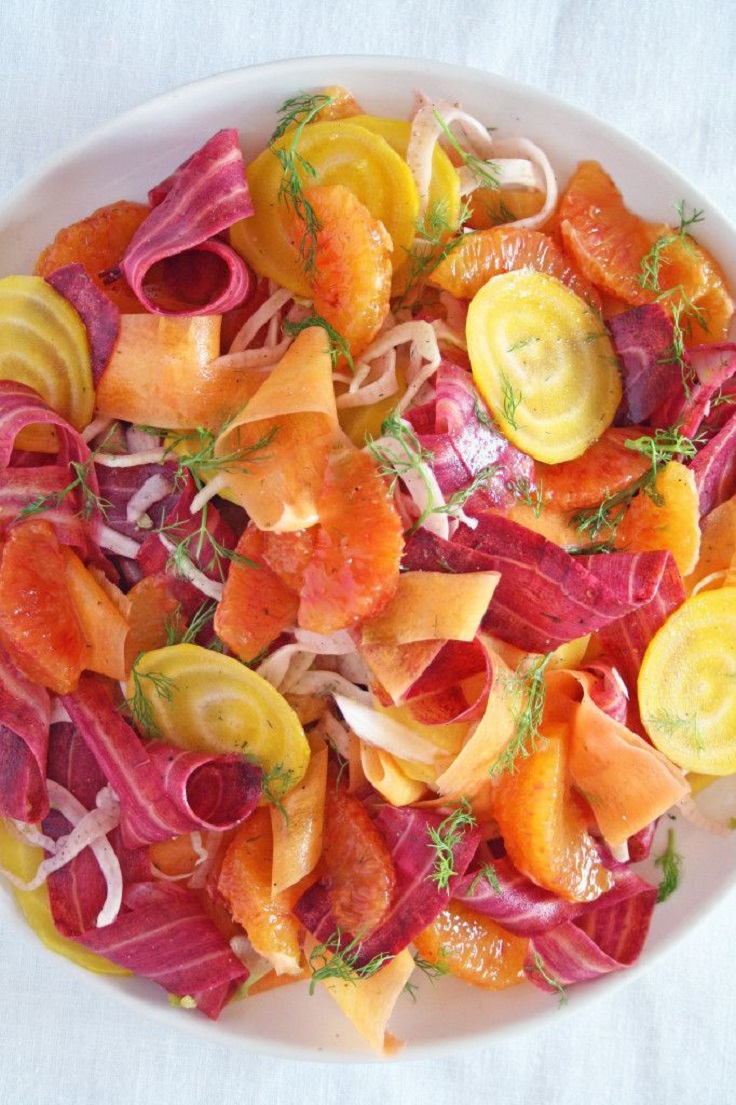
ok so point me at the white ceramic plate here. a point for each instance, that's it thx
(122, 160)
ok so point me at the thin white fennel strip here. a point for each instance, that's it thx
(384, 732)
(423, 361)
(417, 476)
(209, 587)
(89, 830)
(269, 310)
(156, 488)
(514, 163)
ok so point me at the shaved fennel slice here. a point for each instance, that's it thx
(522, 147)
(265, 313)
(90, 829)
(209, 587)
(381, 382)
(280, 668)
(421, 484)
(330, 682)
(517, 163)
(382, 731)
(156, 488)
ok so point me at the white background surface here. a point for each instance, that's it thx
(662, 71)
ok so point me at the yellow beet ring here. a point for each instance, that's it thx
(339, 153)
(207, 702)
(687, 684)
(543, 362)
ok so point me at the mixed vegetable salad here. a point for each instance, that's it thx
(367, 536)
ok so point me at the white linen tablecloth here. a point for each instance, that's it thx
(660, 70)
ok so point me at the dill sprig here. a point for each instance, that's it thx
(415, 458)
(415, 455)
(433, 969)
(670, 861)
(651, 263)
(524, 491)
(539, 967)
(436, 238)
(195, 451)
(175, 635)
(331, 960)
(275, 785)
(90, 502)
(195, 454)
(528, 691)
(485, 173)
(139, 704)
(511, 400)
(682, 309)
(521, 344)
(339, 346)
(188, 550)
(488, 875)
(445, 837)
(672, 726)
(483, 415)
(295, 113)
(663, 446)
(660, 447)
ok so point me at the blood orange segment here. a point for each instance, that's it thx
(245, 885)
(338, 152)
(490, 208)
(354, 569)
(505, 249)
(357, 864)
(103, 624)
(351, 278)
(610, 244)
(343, 104)
(288, 554)
(605, 468)
(98, 242)
(256, 606)
(38, 623)
(543, 829)
(668, 519)
(474, 948)
(154, 612)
